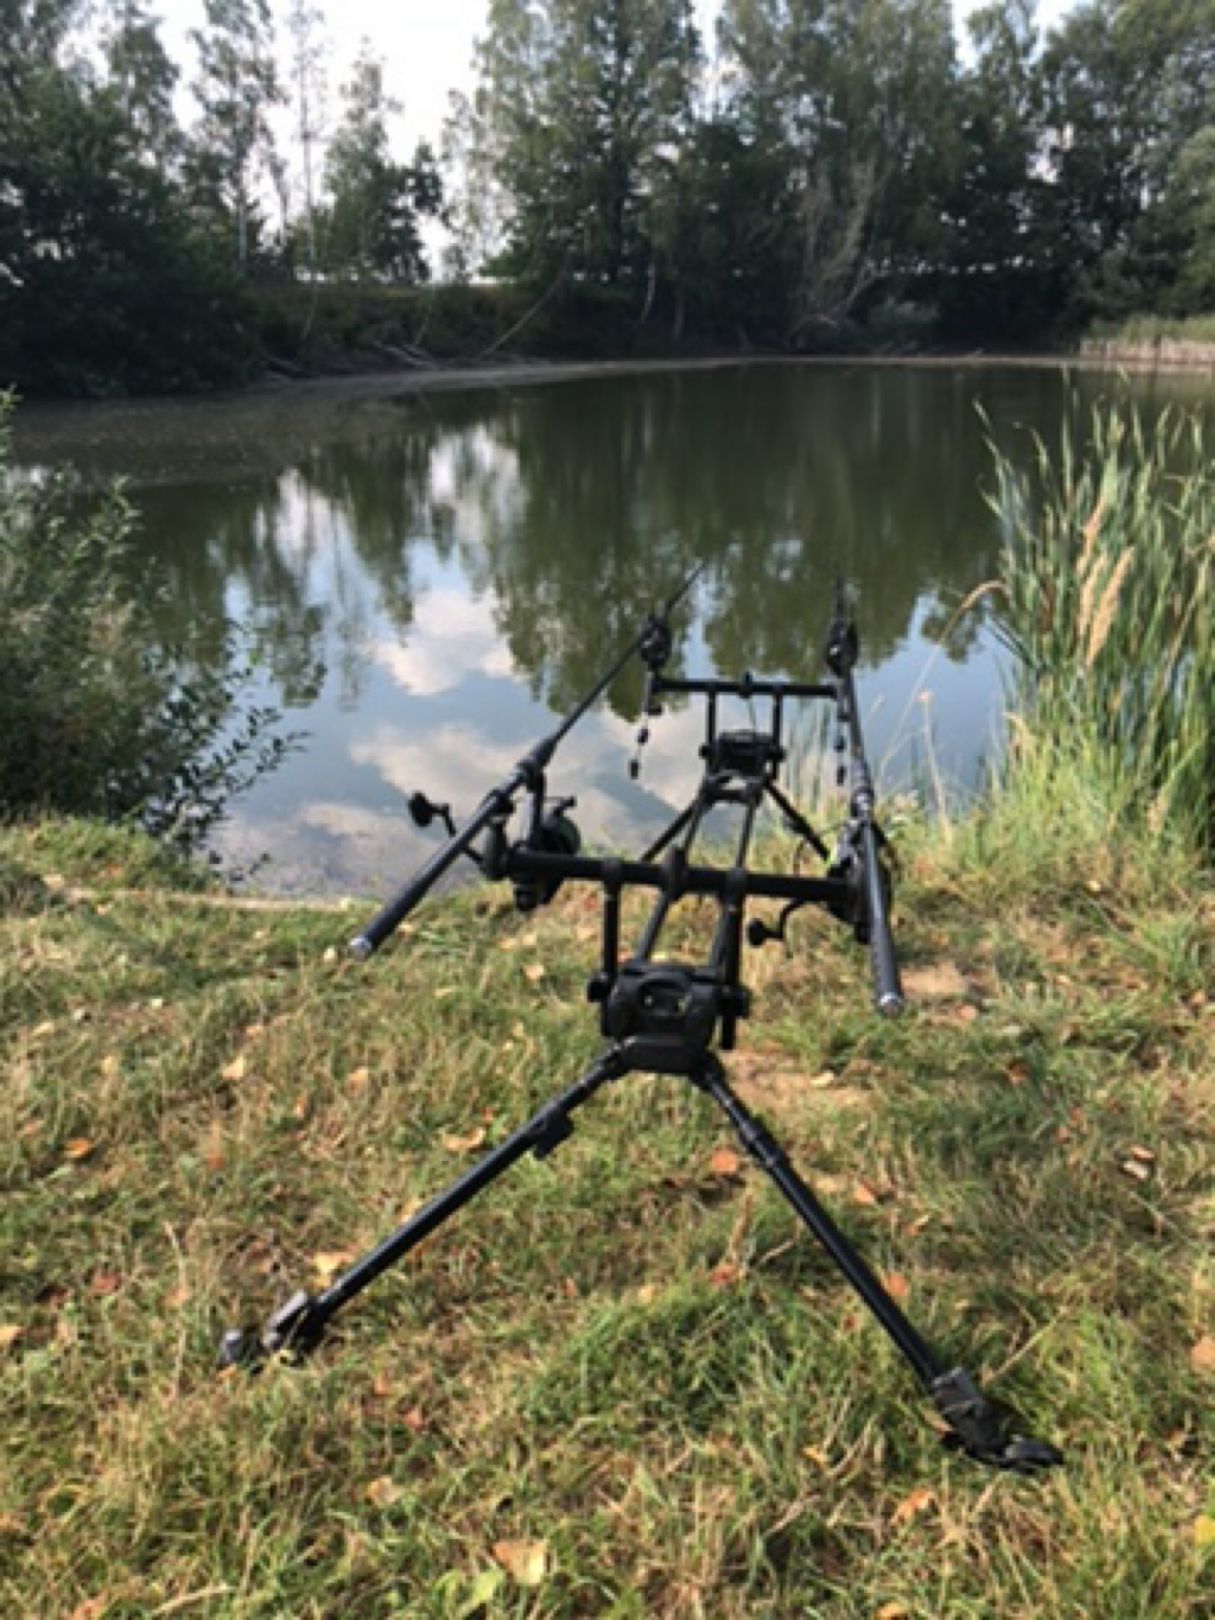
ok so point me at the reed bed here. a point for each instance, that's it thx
(1107, 602)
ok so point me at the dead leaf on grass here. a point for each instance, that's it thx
(1202, 1355)
(329, 1262)
(724, 1275)
(10, 1332)
(78, 1148)
(525, 1561)
(237, 1069)
(912, 1506)
(535, 971)
(863, 1194)
(897, 1287)
(725, 1162)
(1204, 1530)
(383, 1492)
(464, 1144)
(938, 981)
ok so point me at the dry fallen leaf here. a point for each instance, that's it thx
(90, 1609)
(358, 1079)
(1202, 1355)
(897, 1287)
(725, 1162)
(912, 1506)
(383, 1492)
(237, 1069)
(104, 1282)
(892, 1611)
(110, 1066)
(1204, 1530)
(1133, 1168)
(864, 1194)
(328, 1263)
(78, 1148)
(1144, 1155)
(41, 1032)
(820, 1082)
(464, 1144)
(724, 1275)
(535, 971)
(10, 1332)
(415, 1419)
(937, 982)
(525, 1561)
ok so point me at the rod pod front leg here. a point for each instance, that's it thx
(979, 1426)
(298, 1326)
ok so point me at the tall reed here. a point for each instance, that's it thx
(1107, 600)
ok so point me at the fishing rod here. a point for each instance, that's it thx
(664, 1015)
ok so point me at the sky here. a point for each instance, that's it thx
(427, 46)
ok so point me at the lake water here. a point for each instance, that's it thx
(426, 579)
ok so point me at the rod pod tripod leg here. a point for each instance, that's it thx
(978, 1425)
(299, 1325)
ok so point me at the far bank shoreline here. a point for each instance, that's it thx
(41, 422)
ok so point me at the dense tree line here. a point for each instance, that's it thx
(822, 172)
(839, 162)
(132, 244)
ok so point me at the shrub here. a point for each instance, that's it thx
(98, 717)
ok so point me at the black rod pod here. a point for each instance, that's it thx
(663, 1016)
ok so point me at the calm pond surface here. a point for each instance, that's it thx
(427, 578)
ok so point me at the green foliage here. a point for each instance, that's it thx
(237, 87)
(584, 107)
(1108, 602)
(97, 717)
(106, 286)
(619, 1356)
(369, 229)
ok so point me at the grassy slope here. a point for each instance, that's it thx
(626, 1353)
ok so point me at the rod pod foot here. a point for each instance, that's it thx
(294, 1330)
(984, 1430)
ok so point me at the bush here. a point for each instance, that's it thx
(98, 717)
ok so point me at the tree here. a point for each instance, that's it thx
(1002, 274)
(582, 107)
(853, 100)
(142, 79)
(104, 284)
(237, 86)
(1129, 84)
(305, 24)
(371, 222)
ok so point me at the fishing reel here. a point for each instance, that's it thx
(556, 834)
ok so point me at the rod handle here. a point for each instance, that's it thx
(887, 983)
(391, 916)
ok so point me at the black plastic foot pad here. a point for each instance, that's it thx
(984, 1430)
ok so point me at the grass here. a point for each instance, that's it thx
(621, 1384)
(1107, 599)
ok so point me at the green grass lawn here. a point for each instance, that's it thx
(622, 1383)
